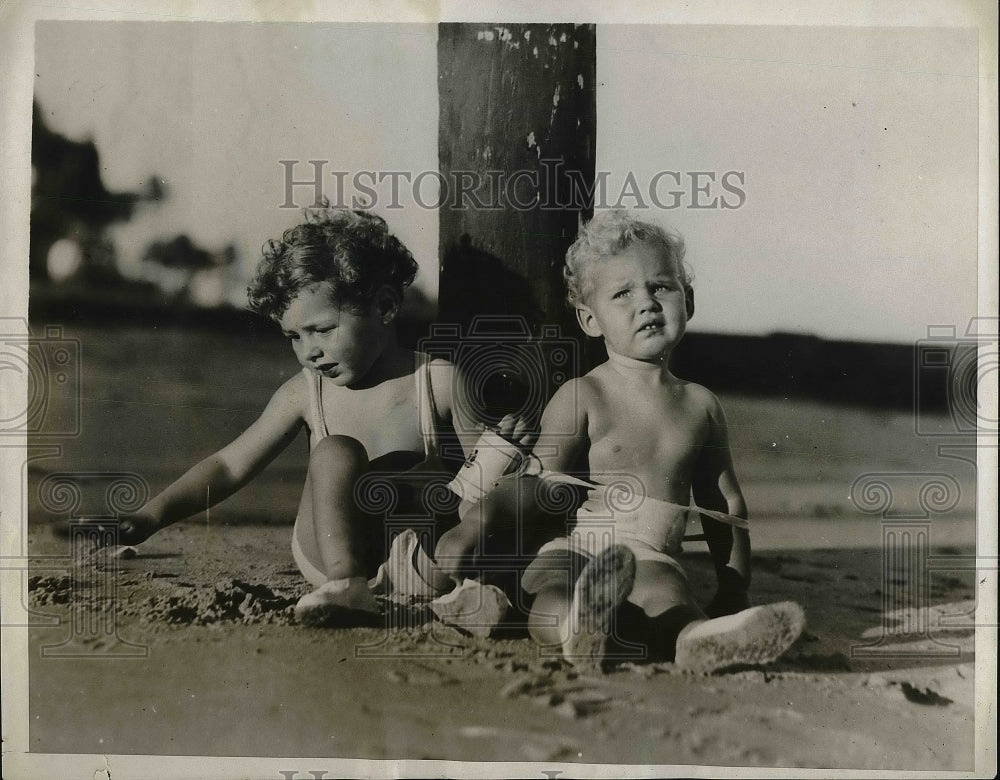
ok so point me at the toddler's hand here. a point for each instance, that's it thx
(456, 547)
(727, 604)
(521, 431)
(731, 597)
(132, 528)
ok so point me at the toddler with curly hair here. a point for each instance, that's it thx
(648, 454)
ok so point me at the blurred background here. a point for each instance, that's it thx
(156, 152)
(157, 149)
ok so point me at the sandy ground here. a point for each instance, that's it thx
(199, 655)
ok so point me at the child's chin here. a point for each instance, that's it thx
(339, 377)
(650, 351)
(656, 346)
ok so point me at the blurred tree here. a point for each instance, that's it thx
(156, 189)
(181, 254)
(69, 200)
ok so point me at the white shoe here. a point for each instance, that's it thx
(398, 575)
(757, 635)
(346, 602)
(603, 586)
(472, 606)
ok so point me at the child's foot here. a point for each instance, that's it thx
(399, 575)
(340, 603)
(754, 636)
(472, 606)
(601, 588)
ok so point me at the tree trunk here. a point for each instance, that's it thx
(516, 150)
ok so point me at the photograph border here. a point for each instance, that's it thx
(16, 66)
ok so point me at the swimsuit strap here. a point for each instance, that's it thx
(317, 424)
(426, 409)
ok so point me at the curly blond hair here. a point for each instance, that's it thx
(610, 233)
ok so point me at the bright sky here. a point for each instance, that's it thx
(857, 148)
(860, 153)
(212, 108)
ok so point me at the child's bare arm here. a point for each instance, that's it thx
(224, 472)
(562, 440)
(554, 448)
(453, 397)
(715, 486)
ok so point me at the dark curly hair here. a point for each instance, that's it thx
(352, 250)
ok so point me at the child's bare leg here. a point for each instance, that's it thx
(330, 532)
(578, 600)
(661, 614)
(660, 588)
(330, 521)
(549, 615)
(457, 548)
(486, 527)
(661, 605)
(557, 574)
(511, 520)
(600, 592)
(410, 572)
(591, 606)
(675, 628)
(656, 587)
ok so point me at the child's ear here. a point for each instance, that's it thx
(387, 304)
(588, 322)
(689, 301)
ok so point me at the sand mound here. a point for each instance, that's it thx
(232, 601)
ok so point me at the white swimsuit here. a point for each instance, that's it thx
(318, 430)
(426, 410)
(651, 528)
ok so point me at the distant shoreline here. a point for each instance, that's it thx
(781, 364)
